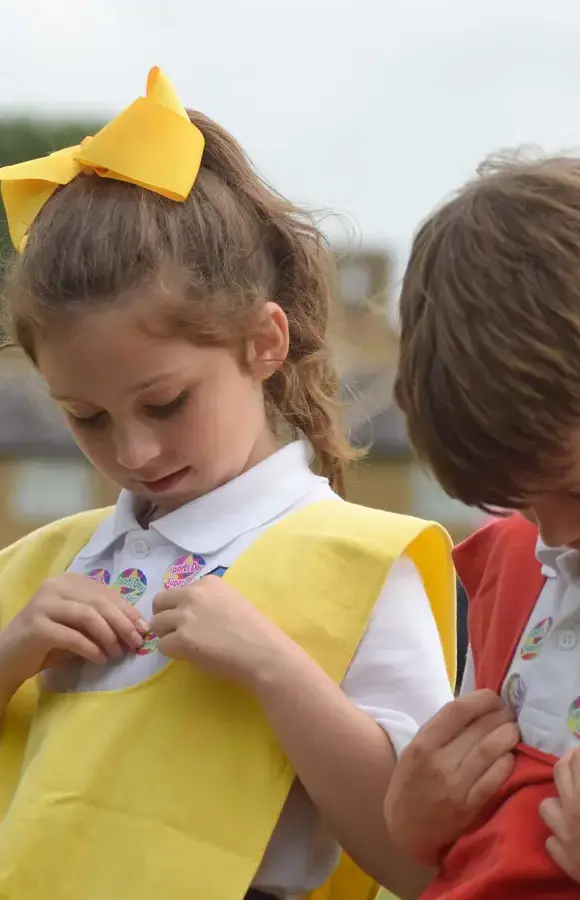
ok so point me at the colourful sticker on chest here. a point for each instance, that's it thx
(150, 643)
(573, 718)
(183, 571)
(100, 575)
(515, 692)
(534, 639)
(131, 584)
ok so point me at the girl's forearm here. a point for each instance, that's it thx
(343, 759)
(9, 684)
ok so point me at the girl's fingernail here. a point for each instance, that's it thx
(143, 626)
(137, 640)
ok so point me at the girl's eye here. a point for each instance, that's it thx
(95, 421)
(168, 409)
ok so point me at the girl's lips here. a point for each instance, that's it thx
(165, 483)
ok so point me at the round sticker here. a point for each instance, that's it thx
(131, 584)
(183, 571)
(515, 692)
(150, 642)
(534, 639)
(573, 718)
(100, 575)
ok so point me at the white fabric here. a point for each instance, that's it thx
(542, 685)
(468, 680)
(397, 675)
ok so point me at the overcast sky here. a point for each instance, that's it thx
(375, 109)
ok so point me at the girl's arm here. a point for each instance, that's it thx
(343, 744)
(343, 759)
(8, 683)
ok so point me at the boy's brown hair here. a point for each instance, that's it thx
(232, 245)
(489, 372)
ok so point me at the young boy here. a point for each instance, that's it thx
(489, 380)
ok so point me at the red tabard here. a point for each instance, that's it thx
(503, 857)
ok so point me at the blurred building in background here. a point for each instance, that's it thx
(43, 475)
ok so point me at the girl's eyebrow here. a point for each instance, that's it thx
(140, 386)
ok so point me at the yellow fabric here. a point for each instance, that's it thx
(173, 787)
(152, 143)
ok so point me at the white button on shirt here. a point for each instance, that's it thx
(542, 685)
(141, 549)
(397, 676)
(567, 639)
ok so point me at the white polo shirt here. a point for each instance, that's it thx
(397, 676)
(542, 685)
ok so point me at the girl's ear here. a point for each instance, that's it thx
(267, 349)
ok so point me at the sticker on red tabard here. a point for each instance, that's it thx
(183, 571)
(100, 575)
(131, 584)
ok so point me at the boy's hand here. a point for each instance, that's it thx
(562, 815)
(448, 773)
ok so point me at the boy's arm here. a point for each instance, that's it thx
(409, 880)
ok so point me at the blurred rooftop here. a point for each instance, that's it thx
(29, 419)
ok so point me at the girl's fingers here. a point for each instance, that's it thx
(165, 622)
(88, 622)
(68, 639)
(124, 626)
(81, 589)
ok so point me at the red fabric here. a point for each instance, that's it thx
(502, 577)
(505, 858)
(504, 855)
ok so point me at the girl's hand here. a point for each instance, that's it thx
(562, 815)
(212, 626)
(69, 615)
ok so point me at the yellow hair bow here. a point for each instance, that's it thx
(152, 143)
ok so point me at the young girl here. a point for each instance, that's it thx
(177, 309)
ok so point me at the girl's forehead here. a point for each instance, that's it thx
(110, 354)
(110, 346)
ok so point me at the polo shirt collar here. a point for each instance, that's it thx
(206, 525)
